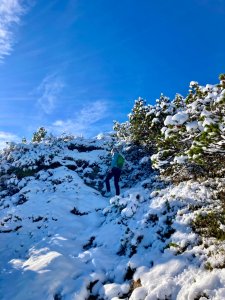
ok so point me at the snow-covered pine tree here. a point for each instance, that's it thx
(169, 144)
(137, 120)
(186, 134)
(122, 130)
(193, 138)
(145, 122)
(39, 135)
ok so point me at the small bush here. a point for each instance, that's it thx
(209, 225)
(21, 173)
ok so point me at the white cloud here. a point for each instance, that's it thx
(10, 15)
(7, 137)
(83, 121)
(49, 89)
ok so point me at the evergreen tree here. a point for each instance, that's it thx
(185, 134)
(39, 135)
(193, 138)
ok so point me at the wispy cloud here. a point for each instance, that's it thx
(84, 120)
(7, 137)
(10, 16)
(49, 90)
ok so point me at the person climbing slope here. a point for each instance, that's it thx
(114, 171)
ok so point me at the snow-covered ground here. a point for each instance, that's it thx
(61, 239)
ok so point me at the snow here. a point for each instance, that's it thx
(180, 159)
(193, 83)
(177, 119)
(139, 293)
(144, 160)
(112, 290)
(61, 239)
(207, 122)
(190, 126)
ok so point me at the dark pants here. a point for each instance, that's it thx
(115, 172)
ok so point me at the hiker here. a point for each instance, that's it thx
(114, 171)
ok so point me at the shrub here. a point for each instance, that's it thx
(208, 225)
(39, 135)
(185, 134)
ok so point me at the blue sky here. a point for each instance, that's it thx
(77, 65)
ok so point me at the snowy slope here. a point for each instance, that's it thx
(61, 239)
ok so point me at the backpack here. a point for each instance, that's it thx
(120, 161)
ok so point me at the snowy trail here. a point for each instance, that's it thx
(77, 249)
(104, 247)
(61, 240)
